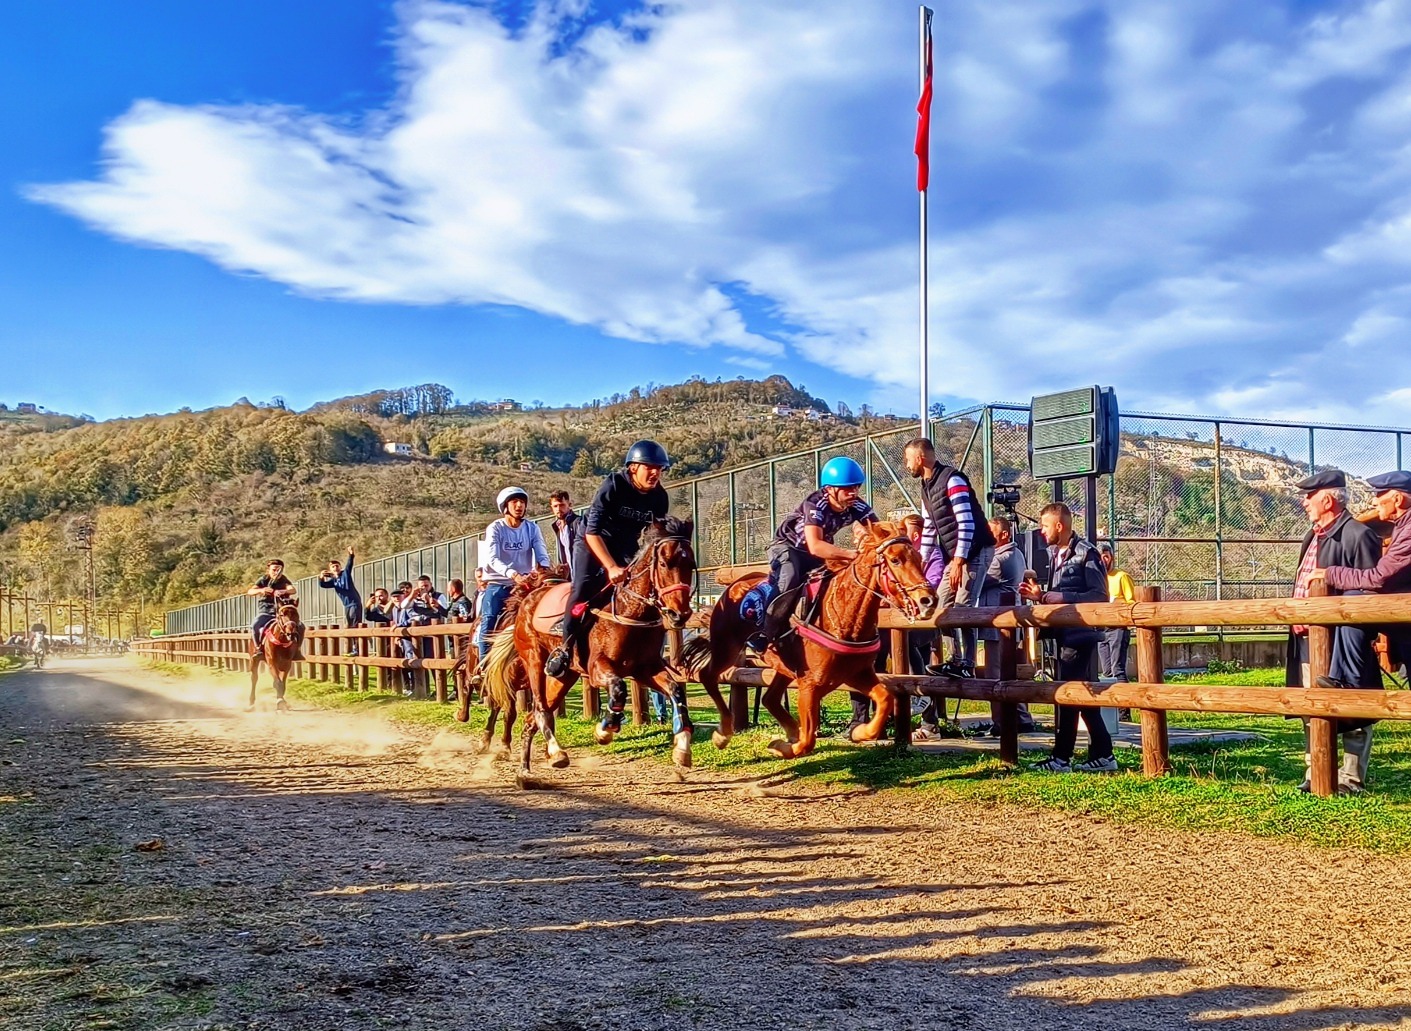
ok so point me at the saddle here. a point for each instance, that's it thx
(548, 614)
(801, 603)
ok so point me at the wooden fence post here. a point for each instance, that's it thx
(901, 665)
(438, 651)
(1156, 744)
(1322, 733)
(1007, 668)
(361, 643)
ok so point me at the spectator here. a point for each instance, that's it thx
(514, 546)
(435, 604)
(459, 609)
(1352, 564)
(459, 604)
(955, 527)
(565, 526)
(1112, 649)
(1075, 576)
(339, 579)
(379, 607)
(1005, 574)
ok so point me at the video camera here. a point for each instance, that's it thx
(1005, 495)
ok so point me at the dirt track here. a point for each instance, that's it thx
(324, 871)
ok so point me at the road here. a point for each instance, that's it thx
(167, 861)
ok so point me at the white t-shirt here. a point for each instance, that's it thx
(510, 550)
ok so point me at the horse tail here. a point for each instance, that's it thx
(695, 656)
(498, 669)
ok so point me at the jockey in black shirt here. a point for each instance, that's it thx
(625, 504)
(270, 591)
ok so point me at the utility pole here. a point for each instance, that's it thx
(83, 537)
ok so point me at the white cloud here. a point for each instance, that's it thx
(1182, 198)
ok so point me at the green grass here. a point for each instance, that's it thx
(1243, 786)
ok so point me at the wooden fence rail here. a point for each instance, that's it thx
(330, 651)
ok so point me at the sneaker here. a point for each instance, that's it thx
(920, 704)
(1108, 765)
(556, 665)
(956, 669)
(757, 643)
(1053, 766)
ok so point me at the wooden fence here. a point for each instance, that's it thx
(999, 683)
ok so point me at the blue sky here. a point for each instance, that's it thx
(1205, 205)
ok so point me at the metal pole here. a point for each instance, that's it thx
(924, 21)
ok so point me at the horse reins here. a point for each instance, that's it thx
(891, 587)
(657, 597)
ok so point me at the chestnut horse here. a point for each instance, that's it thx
(277, 648)
(625, 640)
(838, 651)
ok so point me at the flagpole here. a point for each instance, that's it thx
(925, 71)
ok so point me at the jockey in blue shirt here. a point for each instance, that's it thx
(804, 540)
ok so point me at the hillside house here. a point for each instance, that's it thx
(394, 448)
(508, 404)
(781, 411)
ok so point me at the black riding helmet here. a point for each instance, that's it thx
(647, 452)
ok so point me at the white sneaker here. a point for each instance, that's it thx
(1108, 765)
(1053, 766)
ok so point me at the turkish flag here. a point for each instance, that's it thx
(923, 122)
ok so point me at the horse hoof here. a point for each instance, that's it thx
(718, 739)
(250, 707)
(781, 748)
(681, 754)
(603, 737)
(483, 745)
(521, 779)
(281, 706)
(559, 761)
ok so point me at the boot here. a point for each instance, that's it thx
(1356, 753)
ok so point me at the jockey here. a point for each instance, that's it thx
(627, 501)
(270, 591)
(514, 548)
(804, 540)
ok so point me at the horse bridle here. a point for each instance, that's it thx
(892, 590)
(657, 596)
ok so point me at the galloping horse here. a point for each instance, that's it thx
(838, 651)
(625, 640)
(277, 647)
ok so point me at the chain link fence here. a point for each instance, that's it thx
(1203, 508)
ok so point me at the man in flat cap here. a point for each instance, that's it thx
(1335, 539)
(1390, 574)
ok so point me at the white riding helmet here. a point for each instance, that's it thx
(508, 494)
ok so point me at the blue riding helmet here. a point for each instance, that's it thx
(842, 472)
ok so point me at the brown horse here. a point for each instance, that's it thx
(277, 649)
(624, 640)
(838, 651)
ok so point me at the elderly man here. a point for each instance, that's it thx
(1076, 575)
(1389, 574)
(1335, 539)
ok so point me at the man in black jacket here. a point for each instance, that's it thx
(1335, 539)
(565, 526)
(1076, 575)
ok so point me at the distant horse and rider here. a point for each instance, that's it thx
(277, 633)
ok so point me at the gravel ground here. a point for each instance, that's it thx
(169, 861)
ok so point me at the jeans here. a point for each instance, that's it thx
(492, 603)
(1112, 653)
(969, 591)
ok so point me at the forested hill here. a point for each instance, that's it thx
(187, 506)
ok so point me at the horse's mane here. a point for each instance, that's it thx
(538, 578)
(671, 526)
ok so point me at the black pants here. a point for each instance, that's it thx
(589, 579)
(788, 568)
(1075, 662)
(352, 614)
